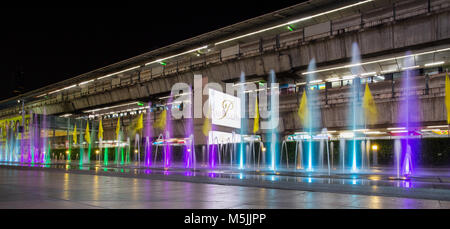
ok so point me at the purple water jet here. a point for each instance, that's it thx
(408, 119)
(148, 137)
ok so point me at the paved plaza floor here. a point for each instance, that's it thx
(29, 188)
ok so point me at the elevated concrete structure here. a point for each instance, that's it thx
(323, 30)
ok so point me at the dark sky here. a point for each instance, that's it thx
(40, 46)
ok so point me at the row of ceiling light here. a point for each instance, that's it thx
(348, 66)
(367, 74)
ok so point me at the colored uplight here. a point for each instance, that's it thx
(354, 156)
(273, 121)
(355, 107)
(241, 157)
(163, 63)
(407, 184)
(241, 84)
(375, 177)
(189, 141)
(213, 150)
(290, 28)
(309, 155)
(262, 83)
(105, 157)
(167, 149)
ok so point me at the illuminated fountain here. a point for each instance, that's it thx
(371, 116)
(164, 141)
(342, 153)
(189, 149)
(33, 136)
(406, 146)
(190, 152)
(85, 156)
(311, 120)
(213, 150)
(39, 139)
(298, 152)
(162, 144)
(272, 134)
(137, 139)
(148, 135)
(82, 156)
(159, 146)
(118, 143)
(31, 152)
(324, 147)
(167, 135)
(243, 130)
(100, 144)
(105, 156)
(69, 147)
(11, 151)
(22, 137)
(128, 151)
(355, 107)
(16, 142)
(312, 146)
(45, 139)
(88, 138)
(148, 152)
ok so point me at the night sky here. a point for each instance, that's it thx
(40, 46)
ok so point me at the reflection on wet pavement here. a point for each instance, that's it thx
(49, 189)
(368, 183)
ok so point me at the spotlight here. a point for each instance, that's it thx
(374, 147)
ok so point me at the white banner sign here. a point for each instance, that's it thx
(225, 109)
